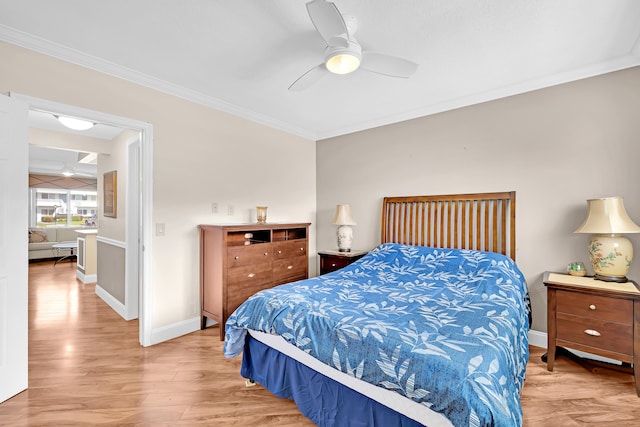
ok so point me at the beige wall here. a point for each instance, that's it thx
(110, 227)
(555, 147)
(200, 156)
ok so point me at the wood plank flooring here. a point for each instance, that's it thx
(86, 368)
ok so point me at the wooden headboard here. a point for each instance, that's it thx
(483, 221)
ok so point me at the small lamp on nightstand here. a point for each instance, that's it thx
(610, 252)
(344, 221)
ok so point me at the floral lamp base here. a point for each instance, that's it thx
(611, 257)
(345, 237)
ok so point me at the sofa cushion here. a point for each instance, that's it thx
(41, 246)
(37, 236)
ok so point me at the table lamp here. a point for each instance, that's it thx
(344, 221)
(609, 251)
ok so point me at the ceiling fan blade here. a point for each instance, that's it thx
(309, 78)
(329, 22)
(388, 65)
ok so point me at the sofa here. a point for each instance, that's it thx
(41, 241)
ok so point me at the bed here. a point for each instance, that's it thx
(429, 328)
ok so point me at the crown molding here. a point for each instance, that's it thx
(628, 61)
(58, 51)
(67, 54)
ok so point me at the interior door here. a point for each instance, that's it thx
(14, 173)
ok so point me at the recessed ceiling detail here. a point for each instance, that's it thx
(62, 182)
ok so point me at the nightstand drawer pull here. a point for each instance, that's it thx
(592, 307)
(333, 265)
(251, 275)
(592, 332)
(289, 267)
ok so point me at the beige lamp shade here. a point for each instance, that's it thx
(343, 215)
(607, 216)
(610, 252)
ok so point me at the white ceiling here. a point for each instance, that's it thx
(45, 159)
(241, 56)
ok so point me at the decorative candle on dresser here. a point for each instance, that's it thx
(237, 261)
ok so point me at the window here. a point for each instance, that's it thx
(62, 208)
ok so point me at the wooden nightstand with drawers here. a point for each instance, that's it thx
(595, 317)
(335, 260)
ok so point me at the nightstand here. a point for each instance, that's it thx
(331, 260)
(596, 317)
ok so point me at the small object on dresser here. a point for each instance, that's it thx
(261, 214)
(576, 269)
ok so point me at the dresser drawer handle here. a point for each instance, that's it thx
(236, 257)
(290, 267)
(592, 307)
(333, 265)
(279, 251)
(251, 275)
(266, 253)
(592, 332)
(302, 249)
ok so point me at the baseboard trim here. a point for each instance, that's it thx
(174, 330)
(111, 301)
(86, 278)
(537, 338)
(158, 335)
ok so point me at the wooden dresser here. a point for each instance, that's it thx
(237, 261)
(595, 317)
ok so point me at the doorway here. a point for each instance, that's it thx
(138, 200)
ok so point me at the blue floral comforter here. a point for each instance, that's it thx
(444, 327)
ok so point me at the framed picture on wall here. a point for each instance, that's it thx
(110, 190)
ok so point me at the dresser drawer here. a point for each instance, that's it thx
(249, 276)
(289, 270)
(289, 249)
(595, 333)
(332, 263)
(238, 256)
(595, 307)
(236, 296)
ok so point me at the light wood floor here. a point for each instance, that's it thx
(87, 368)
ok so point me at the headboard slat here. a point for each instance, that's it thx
(483, 221)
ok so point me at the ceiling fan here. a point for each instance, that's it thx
(343, 53)
(70, 171)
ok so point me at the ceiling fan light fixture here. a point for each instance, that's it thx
(343, 63)
(343, 60)
(67, 171)
(75, 124)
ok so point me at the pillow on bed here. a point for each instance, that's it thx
(37, 236)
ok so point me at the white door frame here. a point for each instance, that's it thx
(132, 227)
(145, 187)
